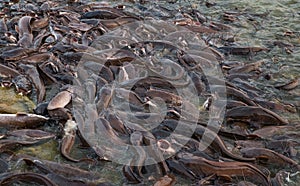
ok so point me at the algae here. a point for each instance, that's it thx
(11, 102)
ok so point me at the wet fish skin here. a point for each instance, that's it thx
(218, 144)
(242, 50)
(32, 134)
(100, 14)
(62, 169)
(24, 26)
(178, 168)
(28, 177)
(168, 97)
(38, 58)
(8, 72)
(136, 140)
(68, 140)
(201, 166)
(60, 100)
(16, 54)
(3, 26)
(130, 175)
(34, 75)
(20, 120)
(26, 41)
(246, 68)
(271, 156)
(254, 113)
(290, 85)
(25, 31)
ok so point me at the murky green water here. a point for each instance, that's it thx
(261, 23)
(11, 102)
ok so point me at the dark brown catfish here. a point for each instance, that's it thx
(101, 14)
(16, 54)
(116, 123)
(104, 98)
(61, 180)
(217, 143)
(237, 94)
(8, 72)
(60, 100)
(26, 177)
(24, 26)
(290, 85)
(21, 120)
(276, 106)
(257, 114)
(200, 29)
(37, 24)
(4, 166)
(12, 142)
(166, 96)
(3, 26)
(242, 50)
(108, 140)
(167, 180)
(68, 140)
(37, 58)
(197, 82)
(178, 168)
(62, 169)
(170, 67)
(26, 40)
(153, 82)
(136, 140)
(154, 153)
(25, 31)
(28, 136)
(34, 75)
(99, 69)
(129, 96)
(113, 23)
(271, 131)
(130, 175)
(201, 166)
(270, 156)
(247, 67)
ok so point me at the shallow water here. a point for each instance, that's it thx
(260, 23)
(11, 102)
